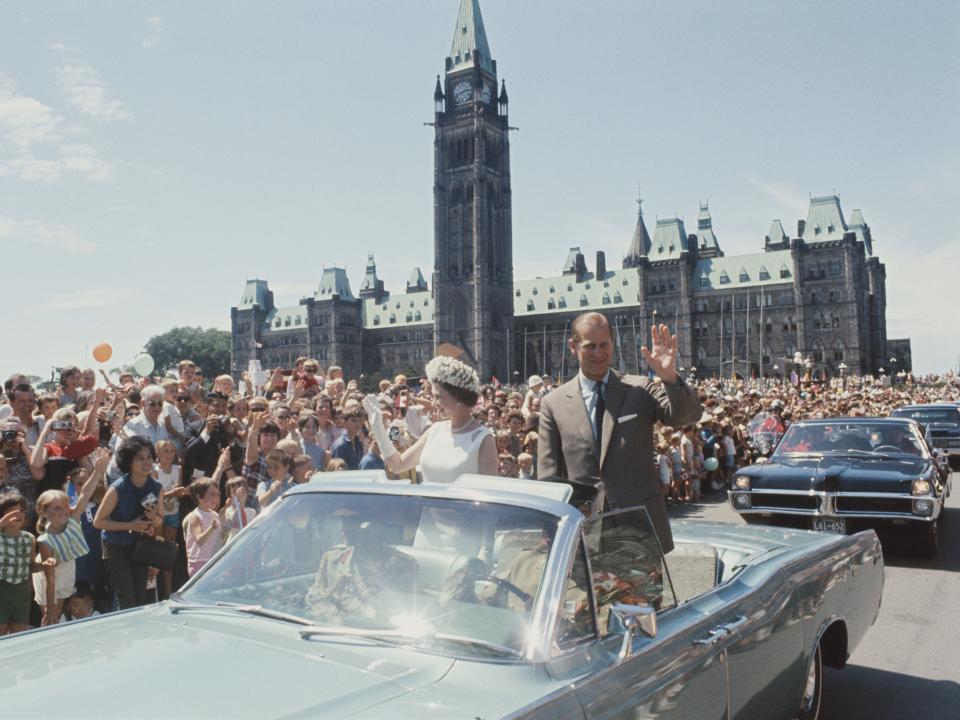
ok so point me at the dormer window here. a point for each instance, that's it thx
(816, 230)
(286, 322)
(393, 319)
(551, 290)
(516, 293)
(624, 282)
(764, 275)
(534, 291)
(376, 319)
(744, 275)
(724, 278)
(617, 297)
(830, 228)
(530, 306)
(569, 288)
(417, 316)
(704, 281)
(583, 300)
(551, 305)
(297, 320)
(562, 302)
(605, 299)
(784, 272)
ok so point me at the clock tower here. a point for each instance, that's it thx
(473, 245)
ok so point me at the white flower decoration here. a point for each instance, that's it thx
(453, 372)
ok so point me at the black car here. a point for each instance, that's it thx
(942, 421)
(847, 474)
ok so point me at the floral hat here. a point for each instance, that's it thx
(453, 372)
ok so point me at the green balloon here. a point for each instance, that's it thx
(143, 364)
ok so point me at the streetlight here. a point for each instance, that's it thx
(842, 367)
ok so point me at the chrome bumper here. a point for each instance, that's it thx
(835, 504)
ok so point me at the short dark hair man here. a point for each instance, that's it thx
(599, 425)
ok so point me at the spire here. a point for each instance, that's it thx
(503, 94)
(371, 286)
(707, 244)
(470, 47)
(438, 91)
(640, 245)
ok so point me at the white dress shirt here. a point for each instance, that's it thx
(587, 390)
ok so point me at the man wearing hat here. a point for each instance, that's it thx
(600, 425)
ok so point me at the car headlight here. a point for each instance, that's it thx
(741, 482)
(921, 487)
(741, 501)
(923, 507)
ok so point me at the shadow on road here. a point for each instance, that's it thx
(862, 693)
(679, 510)
(897, 550)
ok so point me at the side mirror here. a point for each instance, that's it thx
(628, 619)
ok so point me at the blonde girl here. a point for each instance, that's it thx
(170, 476)
(60, 536)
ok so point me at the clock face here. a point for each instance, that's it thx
(462, 91)
(486, 93)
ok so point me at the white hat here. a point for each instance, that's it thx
(534, 380)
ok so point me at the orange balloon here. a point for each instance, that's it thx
(102, 352)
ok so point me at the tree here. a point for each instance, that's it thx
(209, 348)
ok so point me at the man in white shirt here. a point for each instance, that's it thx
(148, 423)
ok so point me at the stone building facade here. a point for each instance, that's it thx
(817, 296)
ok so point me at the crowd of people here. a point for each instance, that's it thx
(113, 491)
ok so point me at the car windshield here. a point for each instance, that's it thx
(856, 438)
(925, 416)
(410, 568)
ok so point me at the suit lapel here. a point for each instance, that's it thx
(577, 410)
(613, 399)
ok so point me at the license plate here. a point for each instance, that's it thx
(830, 525)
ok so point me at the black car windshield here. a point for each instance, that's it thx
(925, 416)
(405, 566)
(841, 437)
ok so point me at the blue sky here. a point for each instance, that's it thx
(155, 155)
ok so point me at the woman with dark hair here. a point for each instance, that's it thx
(130, 507)
(70, 380)
(457, 445)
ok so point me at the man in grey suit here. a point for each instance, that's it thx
(600, 425)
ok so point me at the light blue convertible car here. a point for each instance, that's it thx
(355, 597)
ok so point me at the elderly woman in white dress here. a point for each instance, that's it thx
(457, 445)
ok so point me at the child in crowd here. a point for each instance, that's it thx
(336, 465)
(278, 479)
(525, 463)
(664, 468)
(170, 476)
(202, 526)
(79, 606)
(235, 515)
(60, 536)
(301, 468)
(17, 552)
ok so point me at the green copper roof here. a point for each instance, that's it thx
(669, 240)
(254, 293)
(736, 272)
(470, 45)
(334, 281)
(398, 310)
(824, 220)
(616, 289)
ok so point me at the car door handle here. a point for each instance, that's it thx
(713, 636)
(733, 624)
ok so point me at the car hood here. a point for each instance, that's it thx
(131, 664)
(832, 473)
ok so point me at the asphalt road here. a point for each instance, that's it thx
(908, 665)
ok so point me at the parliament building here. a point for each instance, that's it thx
(814, 293)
